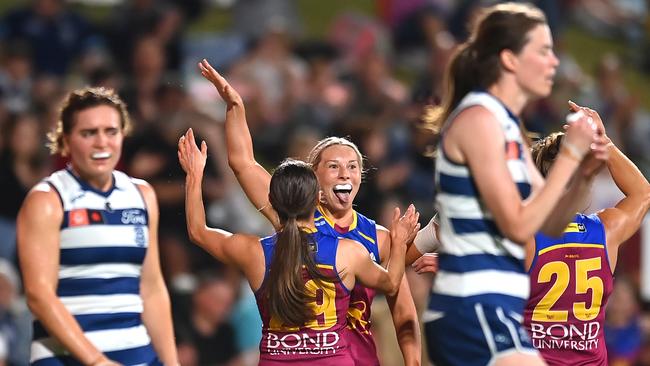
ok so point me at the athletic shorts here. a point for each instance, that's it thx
(475, 335)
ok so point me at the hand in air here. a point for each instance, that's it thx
(227, 93)
(599, 149)
(404, 229)
(191, 158)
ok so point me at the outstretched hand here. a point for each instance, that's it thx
(227, 93)
(404, 229)
(191, 158)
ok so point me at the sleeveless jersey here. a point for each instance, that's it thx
(103, 242)
(322, 340)
(570, 280)
(477, 264)
(364, 231)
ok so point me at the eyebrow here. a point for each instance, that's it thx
(336, 161)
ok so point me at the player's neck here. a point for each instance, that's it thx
(343, 218)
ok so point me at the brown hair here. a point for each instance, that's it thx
(546, 150)
(79, 100)
(476, 63)
(315, 154)
(293, 193)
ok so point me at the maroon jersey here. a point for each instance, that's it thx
(322, 340)
(570, 282)
(364, 231)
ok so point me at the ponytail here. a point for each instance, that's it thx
(461, 78)
(285, 289)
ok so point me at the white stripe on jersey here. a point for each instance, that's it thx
(98, 236)
(105, 340)
(482, 282)
(476, 243)
(102, 304)
(462, 207)
(104, 270)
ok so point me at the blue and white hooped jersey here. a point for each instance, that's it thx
(103, 242)
(477, 264)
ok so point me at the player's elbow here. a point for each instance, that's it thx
(195, 233)
(646, 197)
(517, 234)
(37, 299)
(393, 287)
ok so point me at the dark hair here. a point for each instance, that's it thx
(546, 150)
(476, 63)
(79, 100)
(293, 194)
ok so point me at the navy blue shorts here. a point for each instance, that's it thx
(475, 335)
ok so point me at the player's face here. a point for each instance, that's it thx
(95, 144)
(339, 177)
(537, 63)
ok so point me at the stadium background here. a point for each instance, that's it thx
(306, 69)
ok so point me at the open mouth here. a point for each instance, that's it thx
(101, 155)
(342, 191)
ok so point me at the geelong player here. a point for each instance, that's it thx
(88, 248)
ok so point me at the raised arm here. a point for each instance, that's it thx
(482, 150)
(38, 226)
(157, 312)
(579, 187)
(624, 219)
(252, 177)
(228, 248)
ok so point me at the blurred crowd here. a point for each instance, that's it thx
(370, 76)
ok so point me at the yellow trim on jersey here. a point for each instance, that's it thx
(324, 266)
(574, 228)
(366, 237)
(569, 245)
(323, 216)
(309, 230)
(332, 223)
(354, 221)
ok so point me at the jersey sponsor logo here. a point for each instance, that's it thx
(323, 343)
(513, 150)
(579, 337)
(78, 217)
(576, 227)
(133, 217)
(84, 216)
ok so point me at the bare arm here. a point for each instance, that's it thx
(368, 272)
(38, 224)
(402, 307)
(252, 177)
(217, 242)
(156, 314)
(518, 220)
(625, 218)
